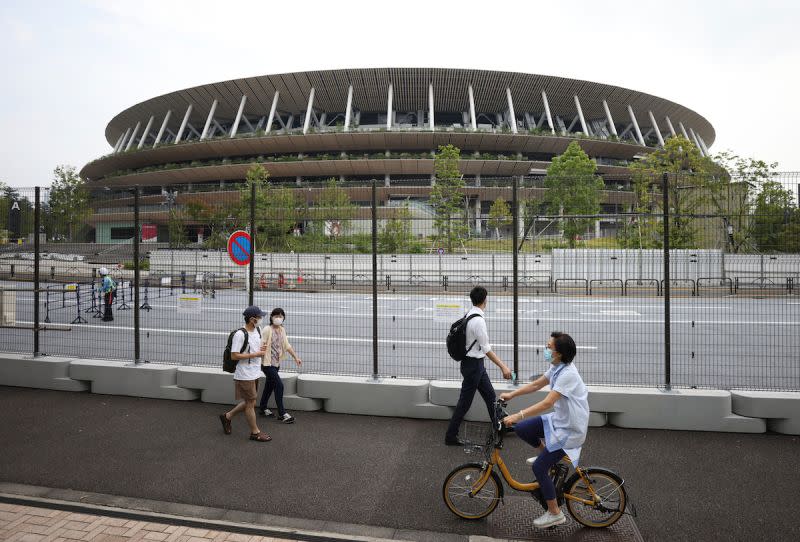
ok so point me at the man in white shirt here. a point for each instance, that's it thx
(248, 371)
(472, 368)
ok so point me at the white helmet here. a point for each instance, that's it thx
(103, 271)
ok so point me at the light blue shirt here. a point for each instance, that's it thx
(566, 427)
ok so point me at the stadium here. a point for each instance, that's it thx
(360, 126)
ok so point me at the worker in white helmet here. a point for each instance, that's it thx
(109, 288)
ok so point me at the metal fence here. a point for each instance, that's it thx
(657, 296)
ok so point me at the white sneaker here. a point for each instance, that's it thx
(531, 460)
(287, 418)
(266, 412)
(549, 520)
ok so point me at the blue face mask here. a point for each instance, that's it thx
(548, 355)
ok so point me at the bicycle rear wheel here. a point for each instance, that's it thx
(457, 487)
(609, 489)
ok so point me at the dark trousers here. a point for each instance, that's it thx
(475, 379)
(274, 383)
(108, 297)
(531, 430)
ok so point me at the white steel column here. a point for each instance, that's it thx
(636, 125)
(683, 129)
(389, 109)
(163, 127)
(348, 112)
(610, 120)
(513, 121)
(703, 145)
(133, 136)
(238, 115)
(146, 131)
(547, 110)
(309, 109)
(118, 144)
(208, 120)
(669, 125)
(656, 128)
(430, 106)
(271, 118)
(473, 120)
(696, 142)
(580, 116)
(183, 124)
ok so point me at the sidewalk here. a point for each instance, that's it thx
(383, 474)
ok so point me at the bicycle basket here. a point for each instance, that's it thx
(478, 437)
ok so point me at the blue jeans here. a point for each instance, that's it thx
(475, 379)
(274, 383)
(532, 432)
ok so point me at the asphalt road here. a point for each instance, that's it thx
(723, 342)
(377, 471)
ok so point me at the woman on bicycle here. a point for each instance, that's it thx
(564, 430)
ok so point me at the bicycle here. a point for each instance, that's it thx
(595, 497)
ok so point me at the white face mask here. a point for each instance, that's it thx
(258, 322)
(277, 321)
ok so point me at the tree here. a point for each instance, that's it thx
(732, 193)
(176, 227)
(573, 188)
(775, 222)
(68, 202)
(447, 198)
(213, 216)
(396, 233)
(335, 209)
(276, 210)
(689, 174)
(499, 215)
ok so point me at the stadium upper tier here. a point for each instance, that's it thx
(383, 122)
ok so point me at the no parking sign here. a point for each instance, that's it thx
(239, 247)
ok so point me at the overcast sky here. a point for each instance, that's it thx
(69, 66)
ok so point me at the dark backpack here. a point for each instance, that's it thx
(228, 363)
(457, 338)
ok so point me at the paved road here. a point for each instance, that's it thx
(717, 342)
(377, 471)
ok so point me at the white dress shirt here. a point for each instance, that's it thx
(476, 331)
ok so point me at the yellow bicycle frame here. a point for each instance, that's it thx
(530, 486)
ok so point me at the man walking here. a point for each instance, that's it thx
(108, 288)
(248, 371)
(472, 367)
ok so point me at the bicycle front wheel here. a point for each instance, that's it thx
(611, 497)
(457, 487)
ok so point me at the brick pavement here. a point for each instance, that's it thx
(20, 523)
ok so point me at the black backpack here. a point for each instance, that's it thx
(457, 338)
(228, 363)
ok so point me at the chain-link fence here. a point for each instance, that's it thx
(701, 292)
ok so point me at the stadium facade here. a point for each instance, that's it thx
(358, 125)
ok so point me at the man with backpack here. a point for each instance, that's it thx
(470, 334)
(245, 350)
(109, 287)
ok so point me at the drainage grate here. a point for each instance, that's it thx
(514, 520)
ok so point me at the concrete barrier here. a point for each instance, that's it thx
(50, 373)
(119, 378)
(359, 395)
(780, 409)
(644, 408)
(216, 386)
(686, 410)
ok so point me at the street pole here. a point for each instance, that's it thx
(37, 221)
(137, 338)
(251, 270)
(667, 330)
(515, 256)
(374, 281)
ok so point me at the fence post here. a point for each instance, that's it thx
(252, 270)
(667, 287)
(137, 337)
(37, 221)
(514, 255)
(374, 281)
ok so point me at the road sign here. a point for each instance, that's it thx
(239, 247)
(440, 251)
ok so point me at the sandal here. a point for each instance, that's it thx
(260, 437)
(226, 424)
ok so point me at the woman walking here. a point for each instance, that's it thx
(278, 345)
